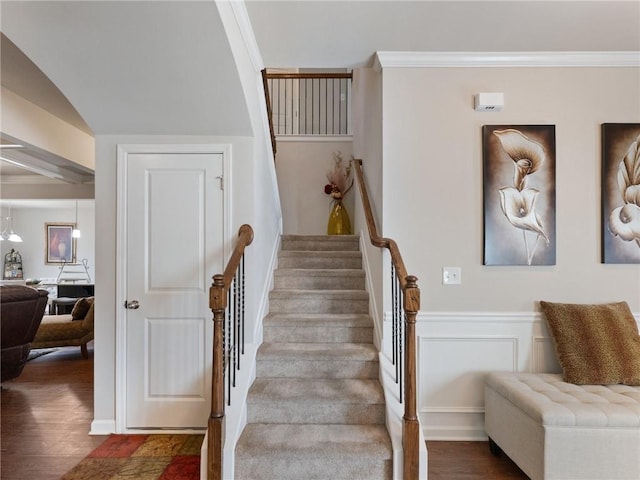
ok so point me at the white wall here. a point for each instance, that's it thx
(367, 146)
(432, 206)
(302, 164)
(29, 222)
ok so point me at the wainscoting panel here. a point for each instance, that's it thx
(456, 350)
(447, 378)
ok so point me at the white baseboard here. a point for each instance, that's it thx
(103, 427)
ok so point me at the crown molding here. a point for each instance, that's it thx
(505, 59)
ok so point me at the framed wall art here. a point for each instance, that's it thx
(60, 246)
(519, 194)
(621, 192)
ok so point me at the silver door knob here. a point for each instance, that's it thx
(133, 304)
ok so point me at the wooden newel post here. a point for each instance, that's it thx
(411, 426)
(218, 304)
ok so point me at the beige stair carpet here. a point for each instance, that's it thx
(316, 409)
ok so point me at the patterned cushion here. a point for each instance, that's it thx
(595, 344)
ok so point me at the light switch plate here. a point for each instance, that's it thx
(451, 275)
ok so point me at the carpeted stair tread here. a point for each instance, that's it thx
(314, 452)
(319, 254)
(350, 294)
(318, 320)
(317, 351)
(318, 327)
(318, 401)
(356, 440)
(320, 242)
(319, 278)
(319, 259)
(320, 272)
(319, 301)
(313, 390)
(318, 360)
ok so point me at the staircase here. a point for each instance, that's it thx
(316, 409)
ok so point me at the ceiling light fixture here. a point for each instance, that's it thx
(76, 231)
(10, 235)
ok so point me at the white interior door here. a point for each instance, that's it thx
(174, 244)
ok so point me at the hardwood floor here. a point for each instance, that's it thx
(46, 416)
(47, 411)
(469, 461)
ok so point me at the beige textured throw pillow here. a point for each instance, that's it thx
(595, 344)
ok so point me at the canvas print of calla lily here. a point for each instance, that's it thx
(519, 194)
(621, 192)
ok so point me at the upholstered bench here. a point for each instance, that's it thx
(557, 430)
(585, 423)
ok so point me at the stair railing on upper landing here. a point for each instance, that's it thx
(308, 104)
(226, 300)
(406, 304)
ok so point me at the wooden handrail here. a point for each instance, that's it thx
(376, 239)
(310, 75)
(411, 302)
(245, 238)
(218, 294)
(267, 97)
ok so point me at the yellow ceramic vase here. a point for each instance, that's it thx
(339, 223)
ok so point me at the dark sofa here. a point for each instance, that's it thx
(21, 311)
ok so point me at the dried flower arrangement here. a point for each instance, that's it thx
(340, 179)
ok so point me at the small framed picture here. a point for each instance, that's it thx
(60, 246)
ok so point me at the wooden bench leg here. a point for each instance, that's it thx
(85, 353)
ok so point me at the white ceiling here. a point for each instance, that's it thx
(165, 67)
(135, 67)
(348, 33)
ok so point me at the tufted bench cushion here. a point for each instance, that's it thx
(549, 400)
(558, 430)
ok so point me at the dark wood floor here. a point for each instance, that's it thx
(47, 412)
(469, 461)
(46, 416)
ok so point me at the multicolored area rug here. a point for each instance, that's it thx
(142, 457)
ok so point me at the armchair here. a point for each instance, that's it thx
(21, 311)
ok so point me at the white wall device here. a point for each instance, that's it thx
(488, 102)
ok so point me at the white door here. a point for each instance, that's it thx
(173, 246)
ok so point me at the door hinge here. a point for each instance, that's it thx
(221, 178)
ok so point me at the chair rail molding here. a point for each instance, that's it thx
(456, 317)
